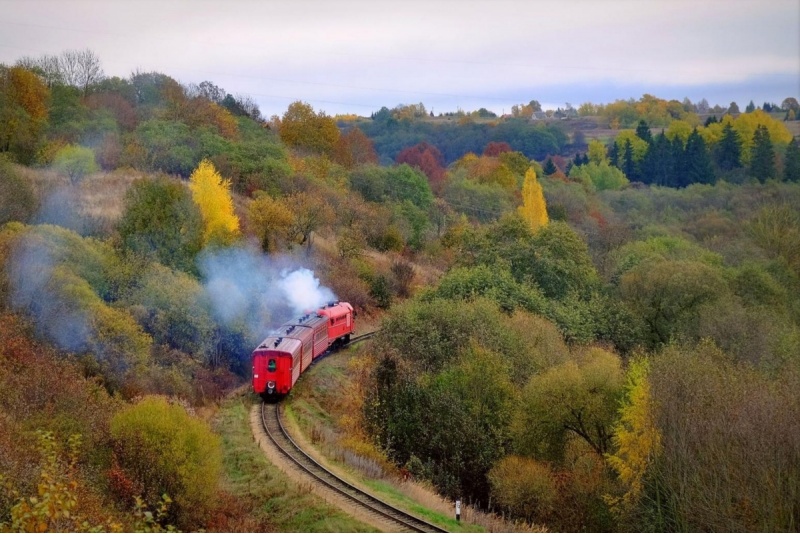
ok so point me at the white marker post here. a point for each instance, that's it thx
(458, 509)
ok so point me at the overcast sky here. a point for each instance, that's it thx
(356, 56)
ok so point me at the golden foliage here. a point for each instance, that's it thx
(534, 208)
(638, 144)
(212, 194)
(746, 125)
(28, 91)
(271, 220)
(487, 170)
(164, 449)
(300, 127)
(597, 152)
(524, 487)
(636, 439)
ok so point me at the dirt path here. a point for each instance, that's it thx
(305, 480)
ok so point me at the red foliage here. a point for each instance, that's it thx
(123, 488)
(495, 148)
(560, 162)
(427, 159)
(602, 223)
(354, 148)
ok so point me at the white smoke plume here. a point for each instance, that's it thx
(35, 289)
(248, 288)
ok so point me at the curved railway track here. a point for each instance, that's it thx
(401, 521)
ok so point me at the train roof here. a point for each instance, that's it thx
(335, 309)
(279, 344)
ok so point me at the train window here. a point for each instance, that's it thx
(272, 365)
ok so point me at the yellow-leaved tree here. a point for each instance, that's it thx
(534, 208)
(212, 194)
(636, 438)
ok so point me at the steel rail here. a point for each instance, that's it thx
(287, 446)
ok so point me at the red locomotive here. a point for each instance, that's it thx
(280, 359)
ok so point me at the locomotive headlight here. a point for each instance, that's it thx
(271, 384)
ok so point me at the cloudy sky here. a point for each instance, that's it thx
(355, 56)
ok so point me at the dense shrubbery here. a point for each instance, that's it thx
(161, 450)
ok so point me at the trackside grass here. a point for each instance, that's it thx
(275, 502)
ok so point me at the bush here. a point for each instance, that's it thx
(160, 446)
(523, 487)
(17, 200)
(162, 220)
(76, 162)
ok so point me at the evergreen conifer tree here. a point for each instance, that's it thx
(762, 162)
(751, 107)
(613, 154)
(791, 163)
(549, 167)
(678, 163)
(657, 165)
(697, 161)
(643, 131)
(628, 165)
(729, 150)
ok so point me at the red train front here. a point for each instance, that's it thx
(283, 356)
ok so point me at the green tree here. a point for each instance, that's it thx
(17, 199)
(643, 131)
(697, 162)
(668, 294)
(168, 451)
(497, 284)
(658, 165)
(549, 167)
(76, 162)
(597, 152)
(406, 183)
(170, 306)
(791, 162)
(602, 176)
(160, 219)
(628, 164)
(728, 150)
(577, 399)
(762, 161)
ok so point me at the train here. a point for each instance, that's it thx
(283, 356)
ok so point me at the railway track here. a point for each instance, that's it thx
(372, 506)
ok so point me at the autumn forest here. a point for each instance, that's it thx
(589, 317)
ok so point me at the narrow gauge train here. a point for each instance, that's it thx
(280, 359)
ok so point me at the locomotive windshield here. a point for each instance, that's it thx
(272, 365)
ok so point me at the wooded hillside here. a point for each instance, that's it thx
(590, 321)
